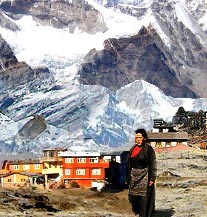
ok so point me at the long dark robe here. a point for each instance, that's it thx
(141, 170)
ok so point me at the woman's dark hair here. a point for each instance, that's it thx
(143, 132)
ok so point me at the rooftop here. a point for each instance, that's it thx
(78, 154)
(168, 135)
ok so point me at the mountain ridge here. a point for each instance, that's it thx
(93, 117)
(172, 29)
(124, 60)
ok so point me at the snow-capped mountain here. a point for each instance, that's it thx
(44, 53)
(169, 52)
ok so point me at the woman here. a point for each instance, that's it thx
(142, 175)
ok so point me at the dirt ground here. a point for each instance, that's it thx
(181, 187)
(181, 191)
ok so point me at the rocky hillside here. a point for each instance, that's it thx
(59, 14)
(141, 57)
(170, 53)
(13, 73)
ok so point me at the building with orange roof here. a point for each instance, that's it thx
(31, 165)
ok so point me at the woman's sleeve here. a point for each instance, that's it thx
(128, 175)
(152, 165)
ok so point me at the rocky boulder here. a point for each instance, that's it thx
(32, 128)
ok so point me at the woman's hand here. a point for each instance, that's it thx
(151, 183)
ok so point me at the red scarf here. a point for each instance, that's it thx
(136, 151)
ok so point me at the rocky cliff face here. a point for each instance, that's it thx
(17, 78)
(187, 48)
(140, 57)
(175, 62)
(59, 14)
(7, 56)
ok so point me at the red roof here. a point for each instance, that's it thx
(174, 148)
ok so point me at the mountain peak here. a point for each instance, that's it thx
(127, 59)
(96, 70)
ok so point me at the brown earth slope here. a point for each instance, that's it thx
(181, 191)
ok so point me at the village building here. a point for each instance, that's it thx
(166, 135)
(84, 169)
(19, 179)
(18, 173)
(162, 126)
(13, 166)
(116, 173)
(52, 165)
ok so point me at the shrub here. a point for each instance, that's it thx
(74, 184)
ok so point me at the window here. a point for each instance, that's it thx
(23, 180)
(96, 171)
(26, 167)
(80, 172)
(9, 180)
(94, 160)
(81, 160)
(37, 166)
(51, 154)
(158, 145)
(15, 167)
(168, 144)
(69, 160)
(67, 172)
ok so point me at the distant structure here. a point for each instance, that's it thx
(203, 145)
(161, 126)
(116, 173)
(166, 135)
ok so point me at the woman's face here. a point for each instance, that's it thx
(139, 138)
